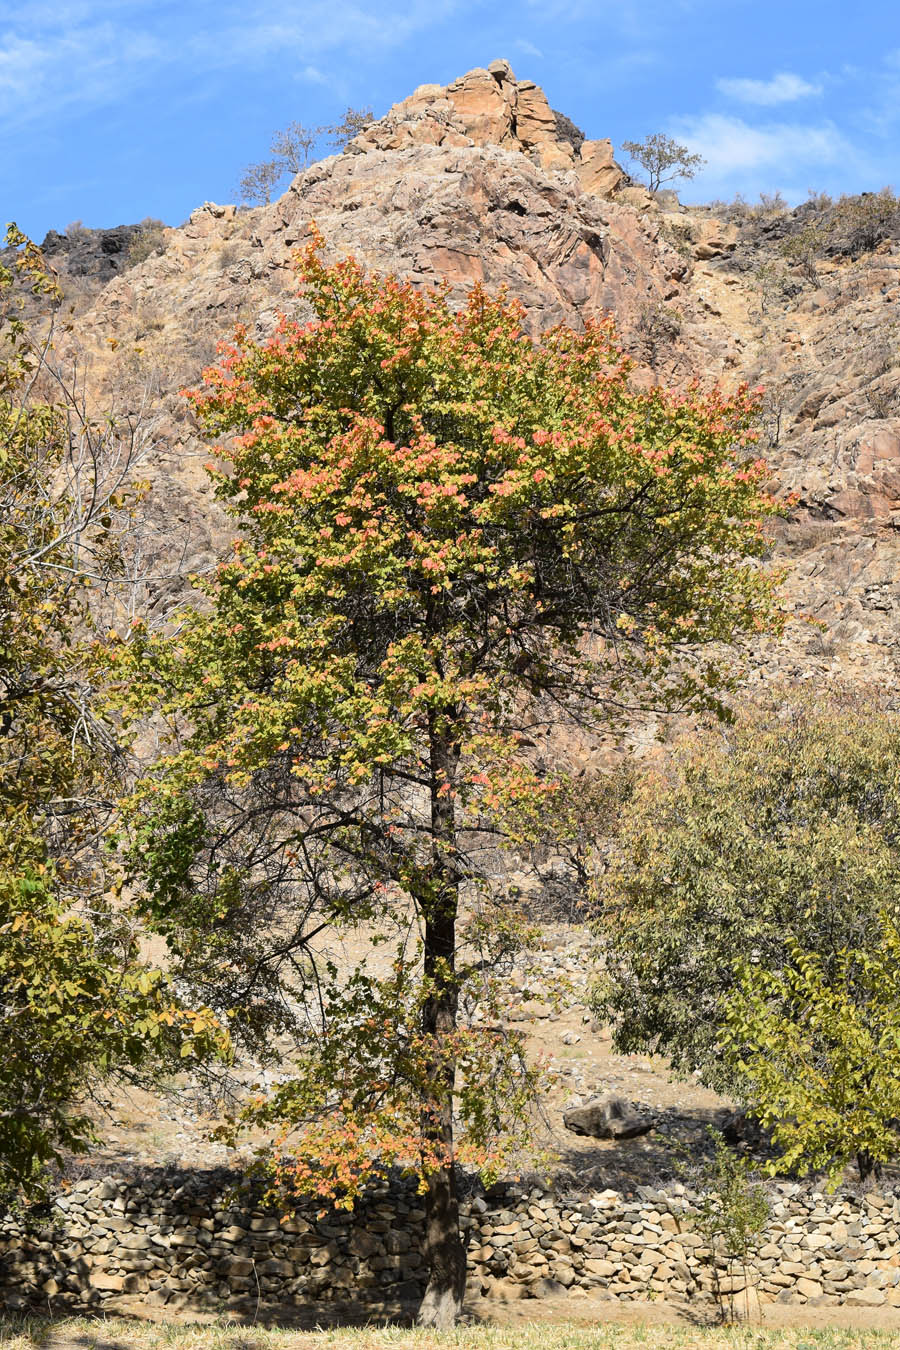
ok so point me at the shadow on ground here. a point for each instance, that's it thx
(673, 1150)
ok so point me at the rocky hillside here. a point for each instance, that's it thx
(483, 181)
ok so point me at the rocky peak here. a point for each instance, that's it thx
(482, 182)
(491, 107)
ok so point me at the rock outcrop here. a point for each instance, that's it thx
(492, 107)
(96, 254)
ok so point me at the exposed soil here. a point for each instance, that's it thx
(580, 1310)
(144, 1128)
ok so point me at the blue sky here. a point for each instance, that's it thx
(113, 110)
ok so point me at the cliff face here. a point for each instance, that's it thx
(483, 181)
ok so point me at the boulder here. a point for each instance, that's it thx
(598, 172)
(608, 1117)
(485, 104)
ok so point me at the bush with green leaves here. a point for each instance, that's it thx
(818, 1045)
(76, 1002)
(731, 1216)
(780, 833)
(77, 1006)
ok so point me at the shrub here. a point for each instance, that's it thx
(780, 833)
(859, 224)
(818, 1045)
(150, 239)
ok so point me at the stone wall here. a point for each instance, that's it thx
(194, 1241)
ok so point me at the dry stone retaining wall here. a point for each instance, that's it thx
(189, 1241)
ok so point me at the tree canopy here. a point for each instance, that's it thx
(452, 536)
(77, 1003)
(818, 1045)
(778, 834)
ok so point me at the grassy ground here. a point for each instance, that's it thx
(126, 1334)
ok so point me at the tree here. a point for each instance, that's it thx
(64, 489)
(293, 149)
(820, 1051)
(76, 1003)
(259, 181)
(354, 121)
(451, 536)
(663, 159)
(780, 833)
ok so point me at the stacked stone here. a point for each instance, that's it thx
(825, 1249)
(197, 1245)
(202, 1243)
(817, 1249)
(625, 1248)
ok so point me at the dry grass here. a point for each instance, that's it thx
(126, 1334)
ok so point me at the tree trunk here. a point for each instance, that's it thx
(868, 1167)
(444, 1252)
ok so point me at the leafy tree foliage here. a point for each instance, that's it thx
(451, 536)
(663, 159)
(75, 1001)
(819, 1047)
(77, 1006)
(779, 834)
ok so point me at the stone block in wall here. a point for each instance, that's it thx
(865, 1298)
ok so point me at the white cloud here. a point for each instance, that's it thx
(312, 75)
(78, 66)
(731, 147)
(84, 54)
(20, 62)
(782, 88)
(528, 48)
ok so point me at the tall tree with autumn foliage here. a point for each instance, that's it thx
(451, 537)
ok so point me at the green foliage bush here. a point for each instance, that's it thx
(77, 1003)
(150, 240)
(779, 833)
(818, 1046)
